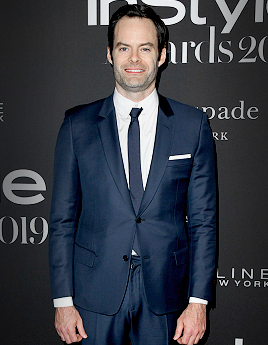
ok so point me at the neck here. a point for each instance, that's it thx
(135, 96)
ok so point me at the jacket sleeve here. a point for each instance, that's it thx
(65, 209)
(201, 211)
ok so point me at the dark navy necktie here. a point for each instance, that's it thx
(134, 161)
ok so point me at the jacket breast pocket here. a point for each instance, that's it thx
(177, 163)
(178, 169)
(84, 256)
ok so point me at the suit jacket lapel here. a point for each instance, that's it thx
(111, 146)
(162, 148)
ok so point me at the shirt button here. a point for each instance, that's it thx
(138, 220)
(125, 257)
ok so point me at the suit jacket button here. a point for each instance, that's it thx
(138, 220)
(125, 258)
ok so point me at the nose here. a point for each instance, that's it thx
(134, 57)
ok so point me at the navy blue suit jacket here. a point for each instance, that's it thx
(93, 222)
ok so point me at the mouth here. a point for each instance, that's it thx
(134, 70)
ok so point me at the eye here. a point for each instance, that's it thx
(123, 49)
(145, 49)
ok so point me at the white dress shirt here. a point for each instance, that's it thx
(147, 123)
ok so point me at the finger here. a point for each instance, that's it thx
(192, 341)
(61, 335)
(68, 332)
(199, 337)
(67, 339)
(186, 340)
(196, 341)
(81, 330)
(203, 333)
(61, 332)
(188, 337)
(179, 329)
(74, 337)
(195, 338)
(79, 338)
(189, 340)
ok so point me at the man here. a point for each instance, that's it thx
(127, 169)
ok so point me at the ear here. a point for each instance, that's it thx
(109, 56)
(163, 56)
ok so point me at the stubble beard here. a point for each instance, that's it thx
(133, 87)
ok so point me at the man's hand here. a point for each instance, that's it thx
(191, 325)
(69, 325)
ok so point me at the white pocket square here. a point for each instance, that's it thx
(187, 155)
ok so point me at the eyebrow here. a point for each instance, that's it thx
(128, 45)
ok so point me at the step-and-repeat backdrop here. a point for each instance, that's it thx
(53, 57)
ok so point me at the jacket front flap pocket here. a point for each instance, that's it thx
(84, 255)
(181, 256)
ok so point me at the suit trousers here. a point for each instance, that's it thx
(134, 322)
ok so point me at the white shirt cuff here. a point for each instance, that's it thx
(63, 302)
(197, 300)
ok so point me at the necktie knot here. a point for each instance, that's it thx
(135, 112)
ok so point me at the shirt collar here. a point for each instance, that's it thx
(124, 105)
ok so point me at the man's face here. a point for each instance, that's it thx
(135, 56)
